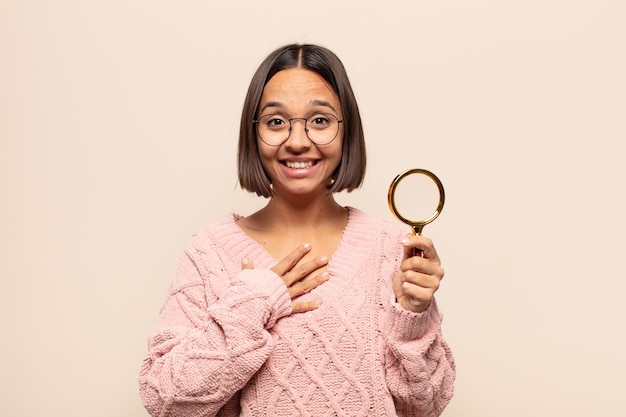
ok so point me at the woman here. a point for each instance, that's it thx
(304, 308)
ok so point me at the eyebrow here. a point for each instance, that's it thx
(280, 105)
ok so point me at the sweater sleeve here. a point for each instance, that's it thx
(420, 367)
(207, 344)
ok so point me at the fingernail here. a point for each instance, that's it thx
(405, 241)
(307, 246)
(325, 276)
(323, 259)
(245, 261)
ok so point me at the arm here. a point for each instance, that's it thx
(207, 346)
(420, 367)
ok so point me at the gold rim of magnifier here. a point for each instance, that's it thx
(417, 225)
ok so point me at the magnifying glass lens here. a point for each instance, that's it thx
(416, 197)
(412, 196)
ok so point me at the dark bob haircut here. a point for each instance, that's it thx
(351, 170)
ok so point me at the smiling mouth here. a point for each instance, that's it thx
(299, 164)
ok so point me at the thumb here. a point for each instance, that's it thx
(246, 264)
(409, 250)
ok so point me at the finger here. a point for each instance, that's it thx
(302, 306)
(415, 298)
(422, 265)
(246, 264)
(292, 259)
(421, 280)
(409, 249)
(417, 292)
(415, 245)
(301, 272)
(307, 285)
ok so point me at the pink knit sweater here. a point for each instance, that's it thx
(226, 344)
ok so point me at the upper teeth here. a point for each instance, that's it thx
(299, 165)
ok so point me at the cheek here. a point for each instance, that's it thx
(336, 153)
(266, 156)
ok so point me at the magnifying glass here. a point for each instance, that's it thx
(403, 192)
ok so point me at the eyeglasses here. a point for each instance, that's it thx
(320, 128)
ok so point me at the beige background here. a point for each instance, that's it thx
(118, 123)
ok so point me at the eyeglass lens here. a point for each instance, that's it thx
(275, 129)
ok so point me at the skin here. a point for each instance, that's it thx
(302, 210)
(419, 277)
(299, 93)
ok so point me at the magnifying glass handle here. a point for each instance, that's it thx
(417, 231)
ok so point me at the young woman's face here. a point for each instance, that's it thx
(298, 166)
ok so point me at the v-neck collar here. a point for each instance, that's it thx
(349, 255)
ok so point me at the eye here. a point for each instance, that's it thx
(320, 121)
(274, 121)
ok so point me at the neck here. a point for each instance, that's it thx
(302, 213)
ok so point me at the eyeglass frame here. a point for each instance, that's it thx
(306, 130)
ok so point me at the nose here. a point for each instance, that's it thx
(298, 138)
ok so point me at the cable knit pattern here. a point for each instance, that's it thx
(227, 345)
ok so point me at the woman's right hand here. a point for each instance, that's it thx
(299, 279)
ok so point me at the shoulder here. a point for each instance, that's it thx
(374, 240)
(381, 235)
(368, 223)
(223, 235)
(224, 226)
(208, 258)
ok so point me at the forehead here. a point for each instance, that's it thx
(298, 87)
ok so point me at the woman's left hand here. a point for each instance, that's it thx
(419, 277)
